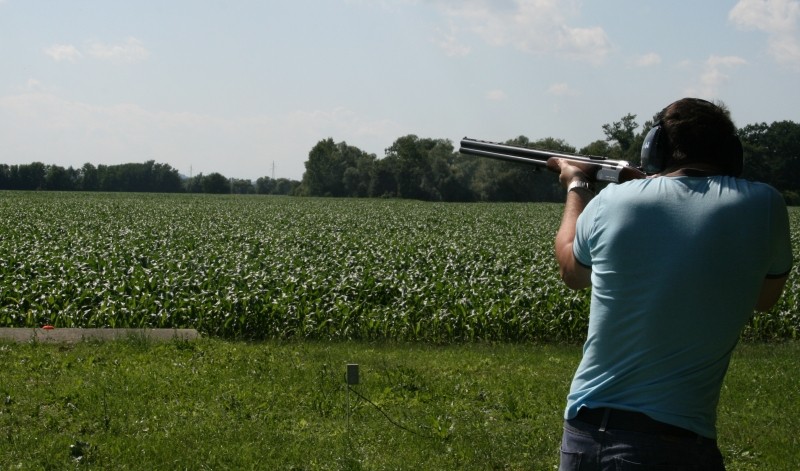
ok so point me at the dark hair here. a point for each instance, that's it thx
(699, 131)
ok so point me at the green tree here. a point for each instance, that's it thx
(357, 170)
(410, 166)
(165, 179)
(5, 177)
(242, 186)
(511, 181)
(337, 170)
(598, 148)
(450, 184)
(31, 176)
(285, 186)
(323, 175)
(216, 183)
(626, 145)
(58, 178)
(195, 183)
(265, 186)
(411, 159)
(772, 155)
(382, 182)
(90, 180)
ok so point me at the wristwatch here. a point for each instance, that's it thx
(580, 184)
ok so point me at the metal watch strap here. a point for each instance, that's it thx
(580, 184)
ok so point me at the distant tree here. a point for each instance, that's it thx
(58, 179)
(165, 179)
(623, 136)
(418, 167)
(550, 143)
(194, 184)
(265, 186)
(490, 180)
(216, 183)
(411, 165)
(285, 186)
(510, 181)
(31, 176)
(279, 186)
(598, 148)
(460, 186)
(242, 187)
(5, 177)
(772, 155)
(89, 179)
(382, 182)
(323, 175)
(337, 170)
(450, 184)
(129, 177)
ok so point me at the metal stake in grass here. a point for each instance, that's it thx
(351, 378)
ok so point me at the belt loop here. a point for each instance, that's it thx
(606, 414)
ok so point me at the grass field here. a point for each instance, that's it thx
(220, 404)
(465, 336)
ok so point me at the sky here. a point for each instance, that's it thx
(246, 88)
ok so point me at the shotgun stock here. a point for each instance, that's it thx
(601, 169)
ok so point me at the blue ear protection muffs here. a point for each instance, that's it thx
(656, 153)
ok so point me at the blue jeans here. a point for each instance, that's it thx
(585, 447)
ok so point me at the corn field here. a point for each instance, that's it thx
(262, 267)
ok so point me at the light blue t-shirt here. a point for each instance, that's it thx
(677, 266)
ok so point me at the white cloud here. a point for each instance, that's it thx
(128, 52)
(132, 50)
(786, 50)
(715, 75)
(779, 16)
(496, 95)
(725, 61)
(33, 84)
(561, 89)
(63, 52)
(448, 41)
(780, 19)
(532, 26)
(647, 60)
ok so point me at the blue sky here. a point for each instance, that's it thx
(246, 88)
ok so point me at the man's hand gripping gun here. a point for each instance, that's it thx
(600, 169)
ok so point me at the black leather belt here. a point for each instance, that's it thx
(630, 421)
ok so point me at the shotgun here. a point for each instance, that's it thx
(601, 169)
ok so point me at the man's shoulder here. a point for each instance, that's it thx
(630, 187)
(754, 188)
(760, 186)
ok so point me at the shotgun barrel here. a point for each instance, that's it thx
(602, 168)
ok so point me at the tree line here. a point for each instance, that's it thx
(133, 177)
(433, 170)
(416, 168)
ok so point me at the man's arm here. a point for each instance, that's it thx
(772, 286)
(771, 290)
(575, 275)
